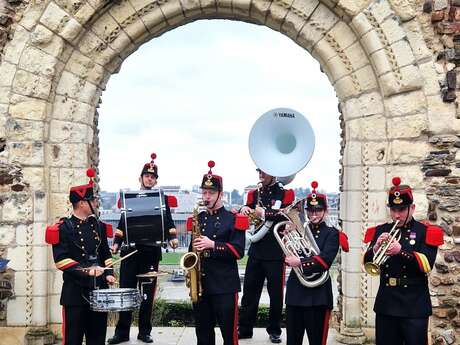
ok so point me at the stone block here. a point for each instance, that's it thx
(25, 130)
(355, 239)
(17, 258)
(376, 178)
(352, 207)
(23, 231)
(381, 62)
(351, 286)
(351, 264)
(416, 39)
(16, 311)
(26, 153)
(377, 208)
(7, 71)
(346, 87)
(402, 151)
(55, 311)
(398, 127)
(368, 128)
(22, 107)
(375, 153)
(59, 205)
(352, 177)
(421, 202)
(240, 7)
(324, 50)
(33, 176)
(441, 116)
(365, 105)
(40, 258)
(361, 24)
(70, 132)
(4, 94)
(356, 56)
(85, 67)
(76, 88)
(13, 49)
(72, 110)
(18, 208)
(352, 153)
(40, 206)
(352, 311)
(38, 62)
(371, 42)
(408, 78)
(67, 155)
(275, 16)
(393, 31)
(380, 11)
(343, 35)
(7, 235)
(410, 174)
(366, 79)
(297, 16)
(405, 104)
(337, 68)
(403, 53)
(59, 21)
(39, 310)
(29, 84)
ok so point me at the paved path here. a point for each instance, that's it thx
(186, 336)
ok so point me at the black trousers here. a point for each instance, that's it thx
(400, 330)
(141, 262)
(222, 309)
(254, 277)
(313, 320)
(79, 321)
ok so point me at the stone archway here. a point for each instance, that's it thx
(63, 53)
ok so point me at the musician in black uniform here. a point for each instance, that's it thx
(80, 251)
(403, 304)
(309, 308)
(145, 260)
(221, 244)
(266, 259)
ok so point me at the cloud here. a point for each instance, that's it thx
(194, 93)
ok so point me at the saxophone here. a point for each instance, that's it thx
(191, 261)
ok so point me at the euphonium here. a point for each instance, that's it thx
(373, 268)
(191, 261)
(300, 245)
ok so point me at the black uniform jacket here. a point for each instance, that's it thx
(403, 290)
(120, 235)
(78, 244)
(268, 248)
(327, 239)
(219, 268)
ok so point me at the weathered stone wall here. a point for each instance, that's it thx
(392, 64)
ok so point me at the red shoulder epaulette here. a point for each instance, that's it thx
(369, 236)
(52, 233)
(172, 201)
(189, 224)
(250, 199)
(434, 235)
(289, 197)
(108, 229)
(343, 241)
(241, 222)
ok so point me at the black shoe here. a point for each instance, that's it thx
(146, 338)
(244, 335)
(275, 338)
(116, 339)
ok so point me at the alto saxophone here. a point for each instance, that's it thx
(191, 261)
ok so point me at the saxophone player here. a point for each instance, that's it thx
(402, 304)
(309, 308)
(220, 245)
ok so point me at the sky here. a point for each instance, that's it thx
(193, 94)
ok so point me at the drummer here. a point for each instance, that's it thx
(81, 252)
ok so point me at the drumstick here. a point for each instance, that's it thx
(120, 259)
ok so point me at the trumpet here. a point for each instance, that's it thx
(373, 268)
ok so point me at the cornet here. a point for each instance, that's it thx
(373, 268)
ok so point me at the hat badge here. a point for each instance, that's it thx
(396, 182)
(313, 201)
(208, 182)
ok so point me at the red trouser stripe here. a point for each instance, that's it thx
(63, 325)
(327, 316)
(235, 321)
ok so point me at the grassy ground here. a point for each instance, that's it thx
(173, 258)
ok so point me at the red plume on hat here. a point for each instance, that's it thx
(211, 164)
(150, 167)
(91, 173)
(314, 185)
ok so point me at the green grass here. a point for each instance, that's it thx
(173, 258)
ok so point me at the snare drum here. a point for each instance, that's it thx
(120, 299)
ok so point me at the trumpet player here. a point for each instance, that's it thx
(403, 260)
(309, 308)
(220, 245)
(265, 259)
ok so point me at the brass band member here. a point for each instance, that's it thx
(221, 245)
(145, 260)
(266, 259)
(309, 308)
(80, 251)
(403, 304)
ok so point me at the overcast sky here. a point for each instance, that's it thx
(193, 94)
